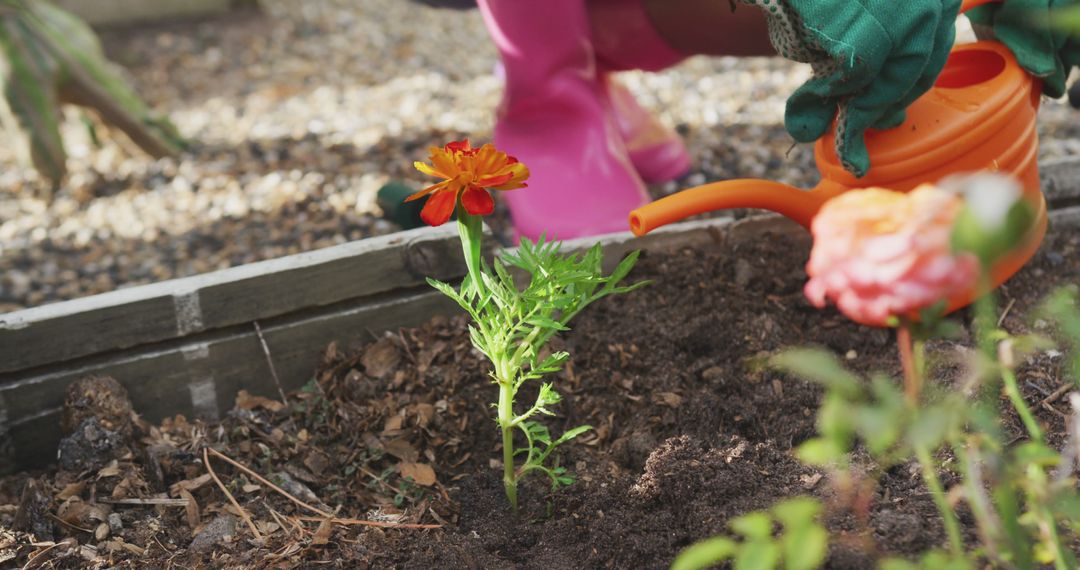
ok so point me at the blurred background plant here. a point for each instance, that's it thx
(49, 57)
(1020, 489)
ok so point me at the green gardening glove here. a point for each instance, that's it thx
(1035, 32)
(871, 60)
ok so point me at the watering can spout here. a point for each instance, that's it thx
(799, 205)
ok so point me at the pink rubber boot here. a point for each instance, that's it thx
(655, 149)
(554, 117)
(625, 38)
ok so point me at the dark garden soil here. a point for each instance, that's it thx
(691, 429)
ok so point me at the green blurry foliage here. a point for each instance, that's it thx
(801, 543)
(48, 57)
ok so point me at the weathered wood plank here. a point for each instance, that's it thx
(172, 309)
(201, 376)
(1064, 219)
(1061, 180)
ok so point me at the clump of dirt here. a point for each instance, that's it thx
(691, 429)
(89, 446)
(96, 422)
(100, 397)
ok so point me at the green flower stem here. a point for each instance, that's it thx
(506, 424)
(1005, 495)
(919, 352)
(986, 315)
(1013, 391)
(952, 526)
(1062, 559)
(978, 500)
(471, 231)
(912, 357)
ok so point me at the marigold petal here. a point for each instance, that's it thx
(439, 208)
(427, 169)
(457, 146)
(477, 201)
(488, 160)
(520, 173)
(444, 163)
(494, 180)
(509, 186)
(428, 190)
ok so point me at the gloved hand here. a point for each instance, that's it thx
(871, 60)
(1046, 51)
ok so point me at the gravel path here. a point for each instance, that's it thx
(302, 112)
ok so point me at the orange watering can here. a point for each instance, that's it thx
(979, 115)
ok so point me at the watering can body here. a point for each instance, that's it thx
(980, 115)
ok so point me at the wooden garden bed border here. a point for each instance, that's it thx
(187, 346)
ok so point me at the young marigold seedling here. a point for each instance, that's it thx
(511, 325)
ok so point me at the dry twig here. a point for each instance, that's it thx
(147, 502)
(323, 515)
(163, 547)
(1005, 313)
(243, 513)
(71, 525)
(38, 560)
(270, 362)
(286, 525)
(1054, 410)
(1058, 393)
(266, 482)
(362, 522)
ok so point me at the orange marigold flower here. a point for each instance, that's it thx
(469, 173)
(879, 254)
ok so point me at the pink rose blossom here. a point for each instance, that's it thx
(879, 253)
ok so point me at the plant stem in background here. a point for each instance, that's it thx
(1062, 558)
(1013, 391)
(948, 517)
(911, 358)
(912, 373)
(978, 500)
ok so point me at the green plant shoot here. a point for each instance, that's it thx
(511, 327)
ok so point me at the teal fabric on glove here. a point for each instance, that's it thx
(1045, 51)
(871, 59)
